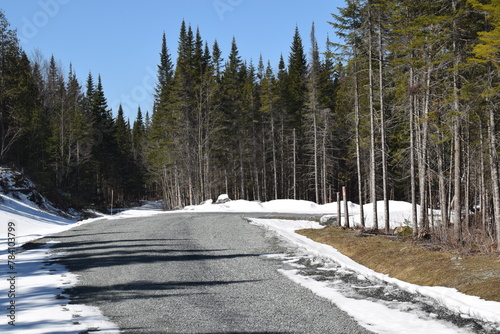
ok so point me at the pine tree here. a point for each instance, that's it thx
(296, 81)
(347, 26)
(165, 77)
(292, 87)
(232, 83)
(138, 135)
(59, 121)
(251, 118)
(32, 145)
(128, 173)
(10, 127)
(160, 129)
(269, 109)
(284, 136)
(122, 132)
(217, 60)
(79, 142)
(487, 50)
(313, 111)
(104, 150)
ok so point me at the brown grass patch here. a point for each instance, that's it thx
(404, 259)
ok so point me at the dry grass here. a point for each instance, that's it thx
(477, 275)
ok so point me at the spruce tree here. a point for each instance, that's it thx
(104, 150)
(217, 60)
(268, 108)
(165, 77)
(312, 116)
(138, 133)
(232, 83)
(122, 132)
(296, 81)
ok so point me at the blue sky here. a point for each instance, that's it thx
(121, 39)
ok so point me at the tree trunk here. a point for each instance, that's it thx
(422, 155)
(339, 210)
(358, 148)
(346, 208)
(412, 156)
(467, 177)
(242, 172)
(483, 191)
(382, 127)
(457, 172)
(294, 165)
(373, 164)
(457, 205)
(457, 168)
(324, 174)
(443, 198)
(255, 168)
(316, 155)
(275, 166)
(264, 173)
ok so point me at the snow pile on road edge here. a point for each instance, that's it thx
(400, 212)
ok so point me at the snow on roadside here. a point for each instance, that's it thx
(400, 211)
(33, 300)
(374, 316)
(30, 222)
(281, 205)
(474, 307)
(31, 291)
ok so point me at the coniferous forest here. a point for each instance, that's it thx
(404, 107)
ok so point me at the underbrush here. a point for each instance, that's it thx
(475, 239)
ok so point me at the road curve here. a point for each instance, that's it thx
(191, 273)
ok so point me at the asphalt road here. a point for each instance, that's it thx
(192, 273)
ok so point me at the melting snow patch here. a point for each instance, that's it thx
(38, 291)
(372, 315)
(376, 315)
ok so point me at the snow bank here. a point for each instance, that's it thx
(36, 309)
(400, 212)
(275, 206)
(472, 306)
(30, 222)
(36, 286)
